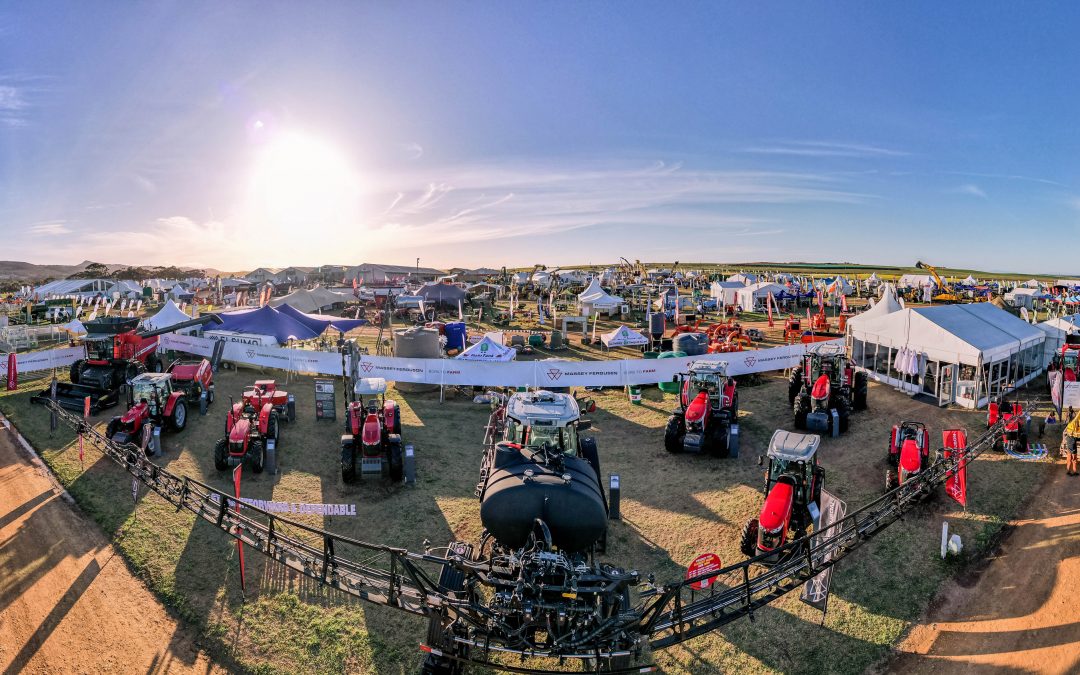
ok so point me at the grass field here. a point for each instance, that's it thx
(674, 508)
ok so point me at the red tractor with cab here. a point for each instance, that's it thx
(824, 390)
(372, 440)
(706, 420)
(1014, 437)
(909, 453)
(152, 400)
(265, 393)
(249, 425)
(793, 484)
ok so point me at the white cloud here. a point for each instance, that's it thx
(824, 149)
(413, 150)
(48, 228)
(969, 189)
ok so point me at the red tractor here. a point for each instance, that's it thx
(265, 393)
(824, 390)
(372, 436)
(909, 453)
(152, 401)
(793, 485)
(193, 377)
(706, 419)
(249, 425)
(1014, 438)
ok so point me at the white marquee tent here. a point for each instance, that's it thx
(595, 299)
(724, 291)
(168, 315)
(915, 281)
(1056, 330)
(623, 337)
(744, 278)
(750, 296)
(965, 354)
(1021, 297)
(311, 301)
(488, 350)
(886, 305)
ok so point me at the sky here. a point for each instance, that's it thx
(242, 134)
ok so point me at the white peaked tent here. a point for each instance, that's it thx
(488, 350)
(311, 301)
(596, 299)
(964, 354)
(915, 281)
(623, 337)
(169, 315)
(755, 294)
(970, 281)
(1021, 297)
(744, 278)
(841, 285)
(1031, 283)
(74, 327)
(872, 280)
(724, 291)
(886, 305)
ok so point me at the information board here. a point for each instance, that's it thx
(324, 399)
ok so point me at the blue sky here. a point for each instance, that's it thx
(242, 134)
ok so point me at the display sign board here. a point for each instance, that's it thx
(703, 564)
(324, 399)
(816, 591)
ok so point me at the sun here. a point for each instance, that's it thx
(301, 181)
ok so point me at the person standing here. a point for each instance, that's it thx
(1072, 434)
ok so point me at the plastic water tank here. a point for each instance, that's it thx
(420, 343)
(669, 387)
(556, 339)
(658, 324)
(691, 344)
(456, 335)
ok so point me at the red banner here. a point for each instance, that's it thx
(955, 440)
(239, 544)
(12, 372)
(768, 306)
(703, 564)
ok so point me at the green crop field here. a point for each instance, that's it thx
(674, 508)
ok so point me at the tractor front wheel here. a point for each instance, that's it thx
(221, 455)
(257, 451)
(273, 430)
(802, 410)
(748, 538)
(396, 455)
(348, 462)
(674, 433)
(794, 384)
(843, 414)
(75, 372)
(178, 420)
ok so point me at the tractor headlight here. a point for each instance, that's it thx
(771, 539)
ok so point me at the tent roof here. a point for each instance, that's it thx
(594, 295)
(623, 337)
(168, 315)
(488, 349)
(951, 332)
(886, 305)
(442, 293)
(319, 322)
(312, 300)
(267, 321)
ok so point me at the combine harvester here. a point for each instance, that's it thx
(116, 353)
(534, 587)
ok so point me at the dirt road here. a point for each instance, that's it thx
(1022, 613)
(68, 604)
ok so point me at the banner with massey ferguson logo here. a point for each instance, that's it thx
(548, 373)
(955, 440)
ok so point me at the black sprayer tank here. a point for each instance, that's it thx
(519, 490)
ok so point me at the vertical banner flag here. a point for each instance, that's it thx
(816, 591)
(843, 303)
(54, 422)
(239, 544)
(12, 371)
(768, 307)
(955, 441)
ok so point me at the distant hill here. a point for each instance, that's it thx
(14, 270)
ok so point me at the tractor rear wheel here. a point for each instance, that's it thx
(843, 414)
(748, 538)
(794, 384)
(75, 371)
(860, 390)
(178, 420)
(257, 451)
(396, 455)
(802, 409)
(396, 428)
(273, 430)
(221, 455)
(674, 433)
(348, 462)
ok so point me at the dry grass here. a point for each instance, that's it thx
(674, 507)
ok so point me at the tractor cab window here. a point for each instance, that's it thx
(535, 436)
(144, 391)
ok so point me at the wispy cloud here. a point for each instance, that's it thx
(969, 189)
(16, 94)
(1005, 176)
(413, 150)
(48, 228)
(824, 149)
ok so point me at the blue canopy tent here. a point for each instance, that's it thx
(319, 322)
(268, 321)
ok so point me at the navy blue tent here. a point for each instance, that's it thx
(319, 322)
(447, 295)
(268, 321)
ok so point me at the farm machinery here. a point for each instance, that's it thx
(706, 420)
(250, 425)
(116, 352)
(193, 377)
(153, 401)
(1066, 360)
(1014, 436)
(824, 390)
(909, 453)
(793, 485)
(728, 337)
(545, 513)
(372, 435)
